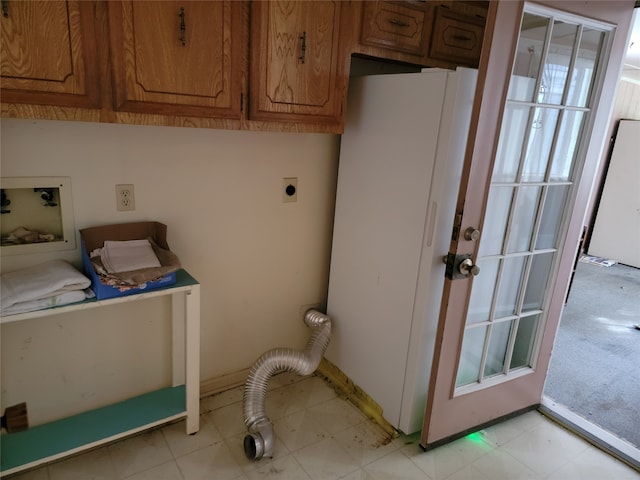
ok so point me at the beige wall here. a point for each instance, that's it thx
(259, 260)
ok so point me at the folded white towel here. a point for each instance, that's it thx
(128, 255)
(45, 280)
(42, 303)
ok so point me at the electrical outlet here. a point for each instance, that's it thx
(290, 189)
(125, 199)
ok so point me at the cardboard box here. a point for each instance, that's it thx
(92, 238)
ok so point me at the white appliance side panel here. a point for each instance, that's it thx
(386, 164)
(617, 227)
(452, 141)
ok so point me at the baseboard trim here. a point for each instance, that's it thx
(358, 397)
(330, 373)
(215, 385)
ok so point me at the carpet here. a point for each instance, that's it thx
(594, 365)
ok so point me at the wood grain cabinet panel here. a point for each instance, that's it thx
(395, 26)
(456, 38)
(48, 53)
(294, 67)
(177, 57)
(428, 33)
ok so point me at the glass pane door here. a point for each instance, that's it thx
(537, 162)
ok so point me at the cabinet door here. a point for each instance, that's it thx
(294, 62)
(457, 37)
(49, 53)
(177, 58)
(394, 26)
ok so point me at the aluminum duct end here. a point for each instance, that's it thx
(261, 438)
(253, 446)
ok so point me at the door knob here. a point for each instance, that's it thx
(471, 234)
(467, 267)
(459, 266)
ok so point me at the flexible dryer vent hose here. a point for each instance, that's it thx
(261, 438)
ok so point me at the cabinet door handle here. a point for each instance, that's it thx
(5, 8)
(303, 47)
(398, 23)
(183, 27)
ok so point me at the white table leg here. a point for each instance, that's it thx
(178, 339)
(192, 311)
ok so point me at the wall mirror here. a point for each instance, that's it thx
(37, 215)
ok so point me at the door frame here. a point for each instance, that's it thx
(524, 392)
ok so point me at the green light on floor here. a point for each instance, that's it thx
(475, 437)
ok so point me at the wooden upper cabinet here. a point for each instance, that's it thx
(295, 72)
(457, 35)
(433, 33)
(49, 53)
(177, 57)
(400, 27)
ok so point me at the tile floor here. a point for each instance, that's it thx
(322, 437)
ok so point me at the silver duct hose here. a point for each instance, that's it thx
(261, 438)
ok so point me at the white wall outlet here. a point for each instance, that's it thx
(125, 199)
(290, 189)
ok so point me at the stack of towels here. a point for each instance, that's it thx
(49, 284)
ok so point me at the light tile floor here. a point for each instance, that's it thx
(320, 436)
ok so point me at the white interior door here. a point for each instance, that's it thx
(616, 233)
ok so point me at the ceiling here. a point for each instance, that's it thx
(631, 68)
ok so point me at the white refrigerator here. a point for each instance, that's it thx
(401, 157)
